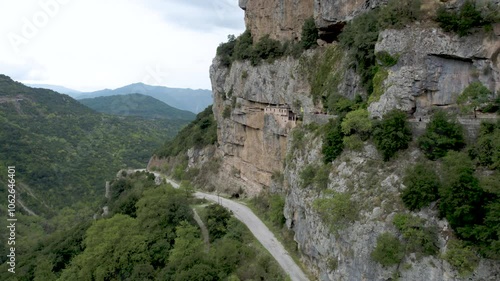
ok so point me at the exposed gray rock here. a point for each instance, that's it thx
(434, 67)
(344, 254)
(243, 4)
(331, 15)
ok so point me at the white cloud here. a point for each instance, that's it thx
(95, 44)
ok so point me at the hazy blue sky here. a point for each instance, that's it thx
(95, 44)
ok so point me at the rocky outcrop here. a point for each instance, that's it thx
(280, 19)
(283, 19)
(253, 143)
(434, 67)
(335, 252)
(331, 16)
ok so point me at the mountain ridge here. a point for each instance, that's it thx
(185, 99)
(137, 105)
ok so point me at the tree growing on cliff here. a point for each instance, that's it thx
(441, 135)
(310, 35)
(473, 97)
(225, 50)
(333, 143)
(393, 133)
(422, 185)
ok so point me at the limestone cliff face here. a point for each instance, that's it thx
(343, 253)
(252, 142)
(434, 67)
(331, 16)
(281, 19)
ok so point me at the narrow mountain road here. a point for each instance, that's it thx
(258, 229)
(262, 233)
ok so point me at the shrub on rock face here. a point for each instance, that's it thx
(309, 34)
(441, 135)
(461, 257)
(463, 20)
(333, 143)
(392, 134)
(389, 250)
(422, 185)
(473, 97)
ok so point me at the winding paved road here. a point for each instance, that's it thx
(258, 228)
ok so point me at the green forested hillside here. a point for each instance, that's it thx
(199, 133)
(150, 234)
(64, 151)
(137, 105)
(186, 99)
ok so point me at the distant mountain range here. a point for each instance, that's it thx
(60, 89)
(137, 105)
(185, 99)
(65, 151)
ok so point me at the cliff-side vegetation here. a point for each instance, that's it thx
(361, 34)
(467, 191)
(336, 210)
(199, 133)
(266, 49)
(467, 17)
(415, 238)
(442, 134)
(473, 97)
(390, 135)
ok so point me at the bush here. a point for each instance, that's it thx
(379, 76)
(336, 211)
(276, 206)
(322, 176)
(297, 139)
(266, 49)
(399, 13)
(422, 185)
(385, 59)
(243, 46)
(392, 134)
(271, 206)
(461, 257)
(339, 104)
(217, 220)
(462, 20)
(462, 199)
(441, 135)
(487, 148)
(353, 142)
(333, 143)
(226, 113)
(389, 251)
(309, 34)
(357, 122)
(473, 97)
(418, 238)
(225, 51)
(307, 175)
